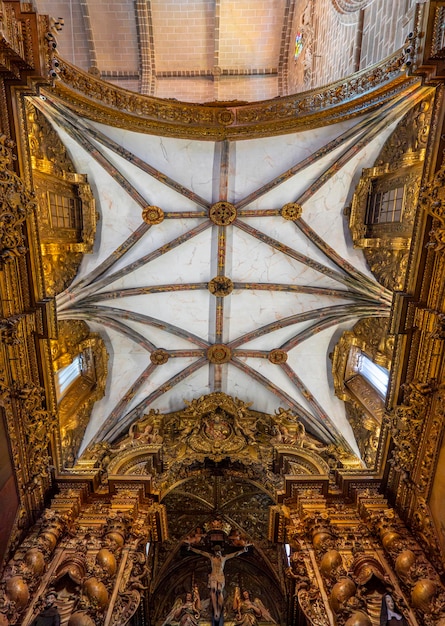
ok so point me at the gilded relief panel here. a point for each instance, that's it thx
(384, 203)
(66, 207)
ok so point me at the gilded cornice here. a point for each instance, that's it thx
(88, 96)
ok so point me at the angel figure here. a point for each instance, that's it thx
(185, 612)
(247, 613)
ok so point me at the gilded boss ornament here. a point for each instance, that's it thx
(152, 215)
(292, 211)
(219, 353)
(222, 213)
(277, 356)
(159, 357)
(221, 286)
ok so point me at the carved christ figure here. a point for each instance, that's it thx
(216, 577)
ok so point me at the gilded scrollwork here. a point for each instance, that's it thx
(432, 199)
(84, 92)
(407, 424)
(16, 205)
(388, 266)
(57, 183)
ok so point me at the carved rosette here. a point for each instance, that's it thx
(222, 213)
(292, 211)
(152, 215)
(219, 354)
(277, 356)
(221, 286)
(225, 117)
(159, 357)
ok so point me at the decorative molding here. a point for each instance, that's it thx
(100, 101)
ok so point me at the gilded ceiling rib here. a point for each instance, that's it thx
(356, 284)
(319, 429)
(216, 313)
(139, 291)
(320, 291)
(387, 115)
(337, 312)
(307, 162)
(342, 314)
(71, 129)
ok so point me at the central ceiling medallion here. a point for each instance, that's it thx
(222, 213)
(221, 286)
(152, 215)
(219, 353)
(292, 211)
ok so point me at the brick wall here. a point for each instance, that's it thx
(183, 34)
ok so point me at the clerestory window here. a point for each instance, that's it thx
(385, 207)
(376, 375)
(65, 211)
(67, 375)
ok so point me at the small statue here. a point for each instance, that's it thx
(216, 577)
(187, 612)
(50, 615)
(389, 616)
(247, 612)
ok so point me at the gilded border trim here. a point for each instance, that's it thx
(88, 96)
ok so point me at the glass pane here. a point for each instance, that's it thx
(376, 375)
(67, 375)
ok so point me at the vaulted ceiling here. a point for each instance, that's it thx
(222, 262)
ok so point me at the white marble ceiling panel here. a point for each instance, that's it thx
(287, 233)
(278, 378)
(153, 191)
(275, 339)
(188, 309)
(311, 363)
(188, 162)
(188, 263)
(253, 309)
(273, 156)
(156, 237)
(240, 384)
